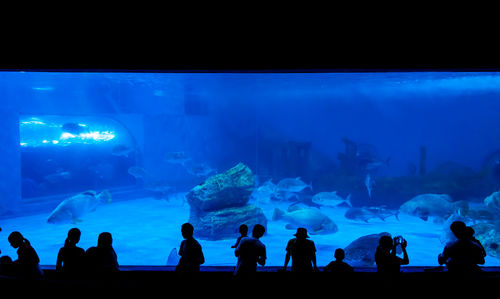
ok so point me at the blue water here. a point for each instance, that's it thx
(217, 120)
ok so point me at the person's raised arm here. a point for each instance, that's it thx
(405, 260)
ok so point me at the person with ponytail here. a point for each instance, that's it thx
(70, 257)
(27, 263)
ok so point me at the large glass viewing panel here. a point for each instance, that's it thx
(348, 156)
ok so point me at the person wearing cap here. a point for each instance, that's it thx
(302, 251)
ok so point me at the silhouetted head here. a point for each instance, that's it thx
(386, 242)
(187, 230)
(458, 229)
(73, 235)
(104, 240)
(244, 229)
(16, 239)
(469, 232)
(339, 254)
(301, 233)
(258, 231)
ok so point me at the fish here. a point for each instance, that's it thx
(58, 177)
(74, 128)
(122, 150)
(159, 188)
(492, 201)
(138, 172)
(383, 212)
(200, 170)
(369, 185)
(292, 185)
(310, 218)
(365, 214)
(177, 158)
(331, 199)
(173, 258)
(265, 191)
(376, 164)
(436, 205)
(71, 210)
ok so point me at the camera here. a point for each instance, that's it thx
(398, 240)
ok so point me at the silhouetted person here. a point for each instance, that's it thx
(385, 257)
(250, 252)
(102, 259)
(302, 251)
(462, 255)
(70, 259)
(338, 266)
(470, 234)
(27, 263)
(191, 253)
(6, 266)
(243, 233)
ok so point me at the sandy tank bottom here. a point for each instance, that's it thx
(145, 230)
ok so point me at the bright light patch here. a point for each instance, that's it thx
(66, 135)
(98, 136)
(43, 88)
(93, 135)
(32, 122)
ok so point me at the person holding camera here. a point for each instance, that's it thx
(385, 257)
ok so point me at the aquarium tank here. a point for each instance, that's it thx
(350, 156)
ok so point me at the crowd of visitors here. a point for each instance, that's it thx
(465, 254)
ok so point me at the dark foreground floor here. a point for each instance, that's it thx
(146, 283)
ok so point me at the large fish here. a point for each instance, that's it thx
(177, 158)
(292, 185)
(264, 192)
(310, 218)
(365, 214)
(436, 205)
(72, 209)
(331, 199)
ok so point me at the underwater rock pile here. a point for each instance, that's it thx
(219, 205)
(489, 236)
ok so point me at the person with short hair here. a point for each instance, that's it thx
(338, 266)
(190, 251)
(385, 256)
(250, 252)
